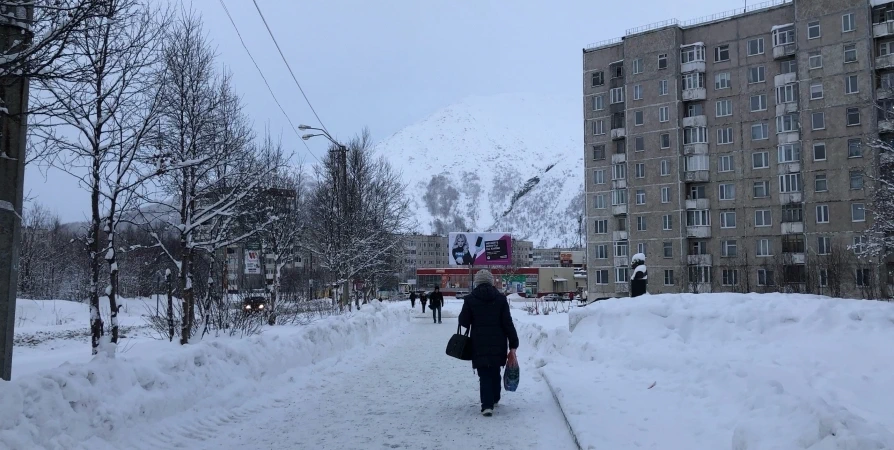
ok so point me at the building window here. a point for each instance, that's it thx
(640, 197)
(730, 277)
(665, 139)
(693, 80)
(721, 53)
(617, 95)
(787, 123)
(662, 61)
(818, 119)
(599, 201)
(663, 114)
(822, 213)
(759, 102)
(668, 277)
(602, 251)
(695, 135)
(599, 127)
(665, 167)
(854, 148)
(763, 247)
(621, 274)
(617, 71)
(727, 219)
(815, 60)
(700, 274)
(638, 118)
(619, 171)
(790, 182)
(601, 276)
(621, 249)
(859, 245)
(692, 53)
(816, 91)
(726, 164)
(819, 151)
(638, 92)
(723, 108)
(856, 179)
(637, 66)
(722, 81)
(823, 276)
(763, 218)
(885, 48)
(639, 144)
(760, 160)
(667, 222)
(756, 74)
(765, 277)
(790, 66)
(848, 23)
(787, 94)
(853, 116)
(598, 152)
(641, 223)
(813, 30)
(599, 176)
(820, 184)
(760, 131)
(640, 170)
(761, 189)
(823, 245)
(755, 46)
(598, 79)
(668, 249)
(850, 53)
(850, 85)
(727, 192)
(665, 195)
(858, 212)
(601, 226)
(725, 135)
(863, 277)
(662, 87)
(598, 102)
(698, 218)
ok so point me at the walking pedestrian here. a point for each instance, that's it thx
(486, 311)
(435, 302)
(422, 299)
(413, 299)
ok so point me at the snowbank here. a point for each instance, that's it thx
(64, 407)
(721, 371)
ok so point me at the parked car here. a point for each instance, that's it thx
(553, 298)
(254, 303)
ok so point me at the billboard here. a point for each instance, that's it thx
(252, 262)
(480, 249)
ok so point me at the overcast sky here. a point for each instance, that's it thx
(387, 64)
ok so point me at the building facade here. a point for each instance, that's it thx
(735, 151)
(559, 257)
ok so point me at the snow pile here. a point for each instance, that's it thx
(74, 404)
(734, 371)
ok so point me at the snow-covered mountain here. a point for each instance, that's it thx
(511, 162)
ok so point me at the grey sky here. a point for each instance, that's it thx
(387, 64)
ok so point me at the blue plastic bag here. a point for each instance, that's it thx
(511, 375)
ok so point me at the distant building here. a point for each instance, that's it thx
(559, 257)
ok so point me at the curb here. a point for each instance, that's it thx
(564, 416)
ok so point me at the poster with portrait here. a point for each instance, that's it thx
(479, 249)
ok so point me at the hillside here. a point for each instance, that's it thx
(511, 162)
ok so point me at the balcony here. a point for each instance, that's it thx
(792, 227)
(794, 258)
(695, 121)
(619, 158)
(619, 235)
(696, 176)
(692, 66)
(791, 197)
(786, 108)
(698, 203)
(701, 232)
(618, 133)
(699, 260)
(695, 149)
(622, 261)
(619, 184)
(883, 29)
(788, 137)
(785, 78)
(782, 51)
(884, 62)
(619, 210)
(694, 94)
(788, 167)
(885, 126)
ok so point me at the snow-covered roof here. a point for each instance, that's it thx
(618, 61)
(559, 280)
(639, 257)
(779, 27)
(702, 44)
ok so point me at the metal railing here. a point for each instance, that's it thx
(604, 43)
(652, 26)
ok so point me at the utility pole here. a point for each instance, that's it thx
(343, 162)
(13, 123)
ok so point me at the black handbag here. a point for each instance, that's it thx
(460, 345)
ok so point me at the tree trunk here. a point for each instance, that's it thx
(93, 248)
(185, 292)
(112, 260)
(170, 287)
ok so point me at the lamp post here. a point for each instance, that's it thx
(343, 190)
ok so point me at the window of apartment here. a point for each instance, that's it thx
(598, 78)
(722, 81)
(820, 184)
(763, 247)
(790, 182)
(856, 177)
(640, 197)
(602, 251)
(760, 131)
(818, 119)
(639, 144)
(598, 152)
(692, 53)
(730, 277)
(601, 276)
(667, 222)
(787, 94)
(662, 87)
(813, 30)
(727, 191)
(599, 201)
(640, 170)
(641, 223)
(638, 92)
(858, 212)
(759, 102)
(695, 109)
(784, 36)
(698, 248)
(885, 48)
(697, 191)
(816, 91)
(854, 148)
(723, 108)
(599, 176)
(863, 277)
(698, 218)
(668, 249)
(693, 80)
(850, 85)
(792, 213)
(665, 167)
(787, 123)
(620, 147)
(822, 213)
(617, 71)
(763, 218)
(761, 189)
(823, 245)
(637, 66)
(695, 135)
(621, 248)
(819, 151)
(695, 162)
(599, 127)
(665, 139)
(663, 114)
(725, 135)
(598, 102)
(721, 53)
(790, 66)
(765, 277)
(619, 171)
(700, 274)
(727, 219)
(859, 245)
(848, 23)
(665, 195)
(756, 74)
(850, 53)
(726, 164)
(662, 61)
(755, 46)
(815, 60)
(638, 118)
(668, 277)
(853, 116)
(642, 247)
(617, 95)
(823, 277)
(621, 274)
(760, 160)
(601, 226)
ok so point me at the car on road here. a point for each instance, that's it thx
(553, 298)
(254, 303)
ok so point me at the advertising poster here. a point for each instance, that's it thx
(252, 262)
(480, 249)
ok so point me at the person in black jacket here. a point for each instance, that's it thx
(435, 302)
(486, 311)
(422, 299)
(413, 299)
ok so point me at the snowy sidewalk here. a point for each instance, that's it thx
(401, 393)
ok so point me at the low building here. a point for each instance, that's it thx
(559, 257)
(525, 281)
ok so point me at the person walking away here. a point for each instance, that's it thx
(413, 299)
(422, 299)
(486, 311)
(435, 302)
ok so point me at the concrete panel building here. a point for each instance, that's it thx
(734, 150)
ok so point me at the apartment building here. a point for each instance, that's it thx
(733, 150)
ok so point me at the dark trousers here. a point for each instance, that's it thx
(423, 307)
(490, 386)
(412, 302)
(436, 314)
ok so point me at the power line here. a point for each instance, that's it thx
(226, 10)
(270, 32)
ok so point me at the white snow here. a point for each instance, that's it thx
(638, 257)
(700, 44)
(779, 27)
(639, 269)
